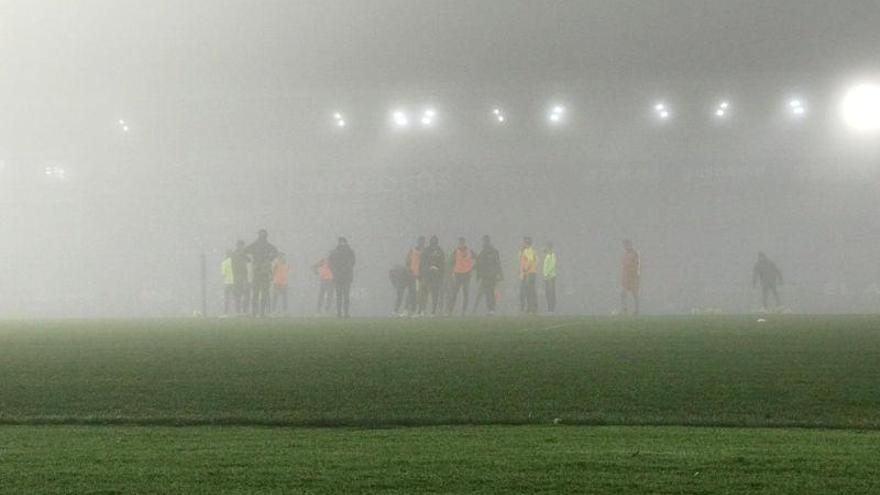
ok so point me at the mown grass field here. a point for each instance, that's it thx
(210, 406)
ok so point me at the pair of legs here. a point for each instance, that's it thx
(413, 295)
(260, 297)
(228, 298)
(528, 294)
(242, 295)
(462, 283)
(766, 290)
(279, 295)
(343, 298)
(486, 291)
(325, 296)
(431, 286)
(634, 291)
(550, 293)
(400, 291)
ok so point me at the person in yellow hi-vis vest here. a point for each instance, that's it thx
(549, 271)
(528, 274)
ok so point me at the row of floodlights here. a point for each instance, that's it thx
(402, 119)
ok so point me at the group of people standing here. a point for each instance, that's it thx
(256, 278)
(429, 282)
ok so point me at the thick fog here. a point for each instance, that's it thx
(227, 111)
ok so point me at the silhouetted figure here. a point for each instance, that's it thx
(549, 272)
(228, 283)
(463, 259)
(262, 255)
(431, 267)
(769, 275)
(528, 275)
(489, 273)
(326, 287)
(239, 260)
(413, 290)
(631, 274)
(341, 262)
(400, 279)
(280, 276)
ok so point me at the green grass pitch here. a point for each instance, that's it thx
(692, 405)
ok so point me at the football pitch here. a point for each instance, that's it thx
(528, 405)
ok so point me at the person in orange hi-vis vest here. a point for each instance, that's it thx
(528, 275)
(413, 264)
(462, 267)
(631, 274)
(280, 274)
(325, 290)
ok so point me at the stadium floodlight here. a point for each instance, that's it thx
(860, 108)
(339, 119)
(125, 128)
(498, 115)
(796, 107)
(121, 122)
(662, 111)
(722, 109)
(428, 116)
(557, 114)
(55, 172)
(400, 119)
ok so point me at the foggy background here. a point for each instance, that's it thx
(229, 106)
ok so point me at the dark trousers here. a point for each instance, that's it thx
(279, 294)
(260, 296)
(241, 294)
(528, 293)
(431, 286)
(550, 293)
(487, 291)
(343, 297)
(228, 298)
(462, 282)
(400, 291)
(325, 296)
(413, 298)
(766, 290)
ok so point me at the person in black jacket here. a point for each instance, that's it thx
(241, 287)
(262, 254)
(341, 262)
(489, 273)
(433, 264)
(769, 275)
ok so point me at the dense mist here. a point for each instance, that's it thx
(137, 136)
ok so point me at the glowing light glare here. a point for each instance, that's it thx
(556, 114)
(121, 122)
(794, 104)
(496, 111)
(430, 113)
(340, 123)
(720, 113)
(500, 118)
(498, 115)
(400, 119)
(860, 108)
(125, 128)
(426, 120)
(662, 111)
(428, 117)
(55, 172)
(723, 105)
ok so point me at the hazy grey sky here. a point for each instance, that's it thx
(230, 103)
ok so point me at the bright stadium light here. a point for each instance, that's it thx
(860, 108)
(428, 116)
(722, 109)
(557, 114)
(661, 110)
(498, 115)
(796, 107)
(339, 119)
(125, 128)
(400, 119)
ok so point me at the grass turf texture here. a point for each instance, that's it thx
(723, 371)
(488, 459)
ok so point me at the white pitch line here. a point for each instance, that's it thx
(554, 327)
